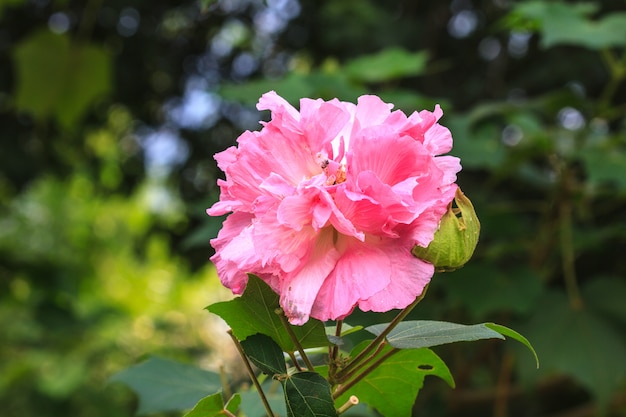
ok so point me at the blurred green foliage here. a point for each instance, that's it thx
(103, 249)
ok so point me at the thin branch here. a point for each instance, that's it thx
(294, 339)
(333, 353)
(345, 387)
(253, 377)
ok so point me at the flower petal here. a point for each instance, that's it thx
(299, 289)
(363, 270)
(409, 278)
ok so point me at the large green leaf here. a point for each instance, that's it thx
(213, 406)
(166, 385)
(255, 312)
(564, 23)
(605, 166)
(393, 386)
(265, 353)
(252, 406)
(389, 64)
(606, 296)
(427, 333)
(58, 78)
(578, 343)
(307, 394)
(478, 146)
(295, 86)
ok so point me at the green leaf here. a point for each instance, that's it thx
(478, 146)
(605, 166)
(252, 406)
(505, 331)
(426, 333)
(389, 64)
(255, 312)
(265, 353)
(166, 385)
(307, 394)
(58, 78)
(578, 343)
(569, 24)
(293, 87)
(213, 406)
(606, 296)
(346, 330)
(393, 386)
(233, 403)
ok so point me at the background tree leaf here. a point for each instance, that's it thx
(386, 65)
(605, 166)
(59, 78)
(569, 341)
(307, 394)
(255, 312)
(562, 23)
(265, 354)
(166, 385)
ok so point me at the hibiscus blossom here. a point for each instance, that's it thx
(327, 203)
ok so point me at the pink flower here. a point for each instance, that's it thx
(328, 202)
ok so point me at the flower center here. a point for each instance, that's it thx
(335, 172)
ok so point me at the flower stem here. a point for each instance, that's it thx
(253, 377)
(380, 338)
(345, 387)
(353, 372)
(294, 339)
(352, 401)
(295, 361)
(333, 352)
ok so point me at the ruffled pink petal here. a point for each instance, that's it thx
(438, 140)
(322, 121)
(280, 108)
(450, 166)
(234, 237)
(392, 158)
(409, 277)
(371, 111)
(364, 269)
(283, 247)
(300, 288)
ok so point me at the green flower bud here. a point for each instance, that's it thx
(456, 238)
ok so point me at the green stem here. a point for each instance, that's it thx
(253, 377)
(345, 387)
(224, 381)
(294, 339)
(352, 401)
(350, 374)
(568, 256)
(295, 361)
(617, 73)
(333, 353)
(365, 353)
